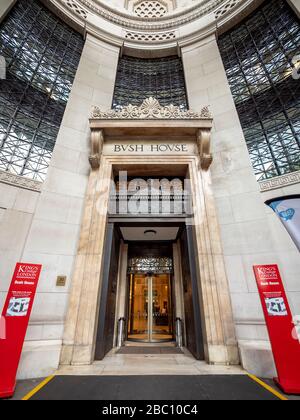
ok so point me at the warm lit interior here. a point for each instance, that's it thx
(150, 323)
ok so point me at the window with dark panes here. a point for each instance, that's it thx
(260, 57)
(42, 55)
(160, 78)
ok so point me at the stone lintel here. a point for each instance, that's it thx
(151, 121)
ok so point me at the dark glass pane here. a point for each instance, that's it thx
(161, 78)
(258, 56)
(42, 56)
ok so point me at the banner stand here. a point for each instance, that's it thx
(14, 323)
(281, 328)
(288, 210)
(288, 388)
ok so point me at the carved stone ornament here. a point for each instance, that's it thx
(150, 110)
(118, 17)
(20, 181)
(97, 141)
(204, 145)
(280, 181)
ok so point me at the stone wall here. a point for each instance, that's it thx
(5, 6)
(17, 207)
(44, 227)
(251, 234)
(54, 228)
(295, 4)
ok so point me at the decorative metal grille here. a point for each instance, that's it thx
(42, 56)
(151, 196)
(259, 60)
(154, 265)
(161, 78)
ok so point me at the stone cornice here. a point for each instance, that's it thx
(150, 110)
(20, 181)
(151, 120)
(280, 182)
(81, 8)
(166, 22)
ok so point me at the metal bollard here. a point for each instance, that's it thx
(121, 332)
(179, 333)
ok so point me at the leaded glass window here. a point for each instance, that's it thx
(259, 58)
(42, 56)
(160, 78)
(157, 265)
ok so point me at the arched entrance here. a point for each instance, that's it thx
(139, 131)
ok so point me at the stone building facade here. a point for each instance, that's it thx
(59, 219)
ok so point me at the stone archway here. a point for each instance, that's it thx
(150, 124)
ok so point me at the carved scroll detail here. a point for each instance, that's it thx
(97, 141)
(204, 145)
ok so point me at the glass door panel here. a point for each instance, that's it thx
(162, 311)
(150, 308)
(138, 328)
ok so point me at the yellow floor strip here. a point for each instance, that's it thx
(38, 388)
(254, 378)
(268, 388)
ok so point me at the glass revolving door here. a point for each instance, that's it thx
(150, 307)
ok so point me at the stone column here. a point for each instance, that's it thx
(81, 324)
(242, 234)
(200, 60)
(54, 239)
(5, 6)
(98, 69)
(220, 339)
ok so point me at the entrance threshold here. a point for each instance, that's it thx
(155, 364)
(150, 350)
(171, 344)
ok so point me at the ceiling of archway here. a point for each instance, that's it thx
(149, 21)
(125, 12)
(159, 8)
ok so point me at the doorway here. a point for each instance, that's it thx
(151, 286)
(90, 314)
(150, 308)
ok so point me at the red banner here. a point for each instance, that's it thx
(14, 323)
(285, 346)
